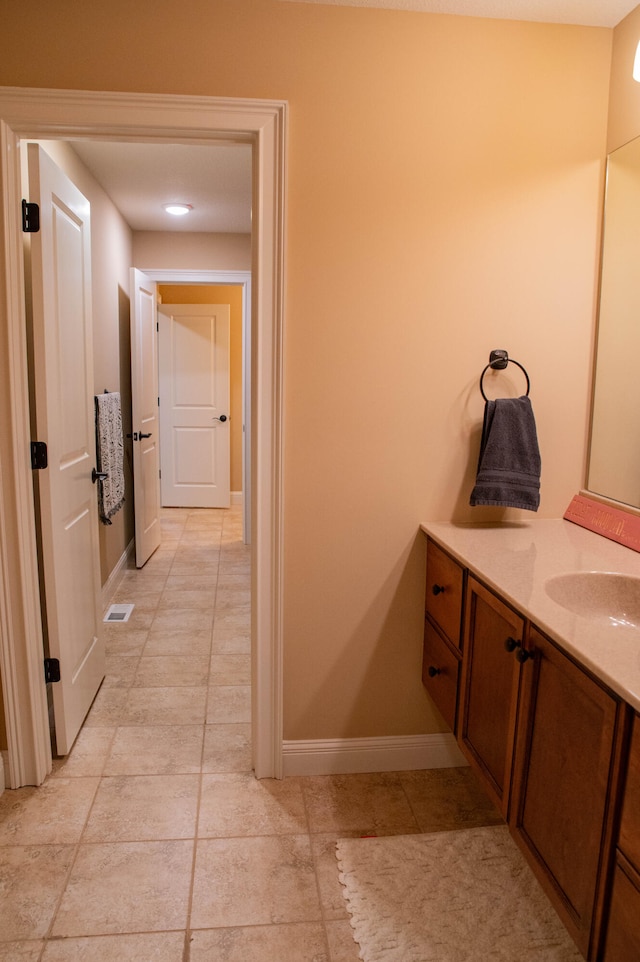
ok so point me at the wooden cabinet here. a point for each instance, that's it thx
(548, 742)
(568, 748)
(493, 634)
(443, 619)
(622, 942)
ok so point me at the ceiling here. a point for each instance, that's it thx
(216, 181)
(590, 13)
(140, 178)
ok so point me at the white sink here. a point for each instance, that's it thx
(598, 594)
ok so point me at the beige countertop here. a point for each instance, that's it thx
(516, 559)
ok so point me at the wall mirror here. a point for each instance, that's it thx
(614, 458)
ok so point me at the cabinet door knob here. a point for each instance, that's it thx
(511, 644)
(522, 655)
(437, 589)
(432, 672)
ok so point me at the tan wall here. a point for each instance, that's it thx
(111, 259)
(444, 185)
(165, 250)
(624, 104)
(231, 295)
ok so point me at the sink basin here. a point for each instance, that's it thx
(598, 594)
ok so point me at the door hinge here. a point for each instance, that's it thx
(38, 455)
(51, 669)
(30, 218)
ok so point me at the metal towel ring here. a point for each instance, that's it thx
(498, 361)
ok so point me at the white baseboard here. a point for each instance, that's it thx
(348, 756)
(112, 582)
(236, 497)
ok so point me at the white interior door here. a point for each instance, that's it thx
(144, 411)
(65, 421)
(194, 405)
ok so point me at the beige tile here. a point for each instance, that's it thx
(203, 580)
(447, 799)
(88, 755)
(155, 750)
(323, 848)
(171, 671)
(120, 671)
(120, 640)
(240, 804)
(365, 804)
(178, 642)
(202, 598)
(20, 951)
(141, 807)
(254, 881)
(230, 704)
(107, 708)
(230, 669)
(227, 748)
(232, 596)
(32, 878)
(184, 619)
(342, 945)
(146, 597)
(298, 942)
(198, 552)
(53, 814)
(232, 631)
(126, 887)
(161, 947)
(165, 706)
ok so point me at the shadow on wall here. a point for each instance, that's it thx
(380, 663)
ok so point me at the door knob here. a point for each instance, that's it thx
(223, 418)
(98, 475)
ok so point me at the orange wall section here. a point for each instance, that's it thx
(444, 184)
(230, 294)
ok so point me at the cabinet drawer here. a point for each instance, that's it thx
(440, 669)
(629, 841)
(623, 932)
(445, 579)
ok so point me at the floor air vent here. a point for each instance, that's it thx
(118, 612)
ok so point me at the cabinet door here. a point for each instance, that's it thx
(623, 932)
(488, 704)
(568, 751)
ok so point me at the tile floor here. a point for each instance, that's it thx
(152, 841)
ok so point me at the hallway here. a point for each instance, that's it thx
(152, 841)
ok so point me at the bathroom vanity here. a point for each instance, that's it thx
(532, 655)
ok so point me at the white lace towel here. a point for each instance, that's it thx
(110, 454)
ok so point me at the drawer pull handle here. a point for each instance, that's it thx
(432, 672)
(437, 589)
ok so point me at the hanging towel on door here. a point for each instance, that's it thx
(509, 465)
(110, 454)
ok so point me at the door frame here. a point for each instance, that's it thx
(237, 279)
(39, 113)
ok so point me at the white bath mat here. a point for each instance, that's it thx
(464, 896)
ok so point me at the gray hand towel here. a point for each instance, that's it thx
(509, 465)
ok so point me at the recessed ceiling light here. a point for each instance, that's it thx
(178, 210)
